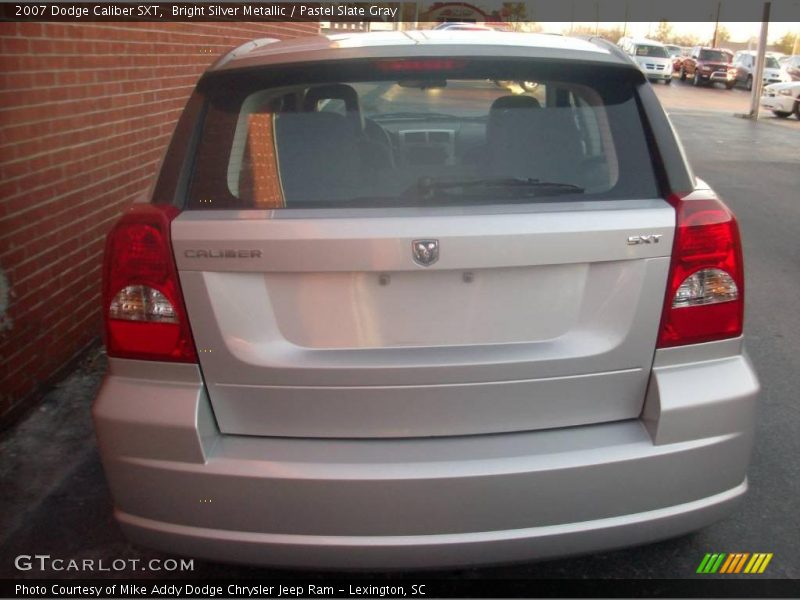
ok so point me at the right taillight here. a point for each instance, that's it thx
(705, 290)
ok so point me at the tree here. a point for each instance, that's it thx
(578, 30)
(612, 34)
(686, 39)
(723, 35)
(530, 27)
(664, 32)
(786, 43)
(514, 13)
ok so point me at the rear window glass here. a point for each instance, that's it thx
(647, 50)
(418, 133)
(715, 56)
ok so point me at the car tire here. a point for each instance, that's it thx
(696, 79)
(797, 109)
(683, 74)
(749, 83)
(730, 85)
(668, 81)
(781, 114)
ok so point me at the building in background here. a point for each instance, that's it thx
(85, 112)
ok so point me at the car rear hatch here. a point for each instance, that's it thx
(459, 308)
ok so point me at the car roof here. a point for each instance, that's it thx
(417, 43)
(647, 41)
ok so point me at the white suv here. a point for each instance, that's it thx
(652, 58)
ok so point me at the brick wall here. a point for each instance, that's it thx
(85, 113)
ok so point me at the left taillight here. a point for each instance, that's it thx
(143, 309)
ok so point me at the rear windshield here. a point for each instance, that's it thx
(715, 56)
(428, 132)
(647, 50)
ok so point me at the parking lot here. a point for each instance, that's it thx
(682, 96)
(58, 502)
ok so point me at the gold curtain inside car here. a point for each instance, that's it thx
(260, 179)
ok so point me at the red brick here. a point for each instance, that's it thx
(86, 110)
(29, 29)
(14, 45)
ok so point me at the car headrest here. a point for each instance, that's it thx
(336, 91)
(505, 114)
(318, 155)
(514, 102)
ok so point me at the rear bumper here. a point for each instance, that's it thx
(421, 551)
(182, 487)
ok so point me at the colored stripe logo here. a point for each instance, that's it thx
(738, 562)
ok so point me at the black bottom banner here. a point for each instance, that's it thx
(336, 587)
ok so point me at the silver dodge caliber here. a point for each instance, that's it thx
(419, 299)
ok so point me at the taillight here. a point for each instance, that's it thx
(143, 307)
(705, 290)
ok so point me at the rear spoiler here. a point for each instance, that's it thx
(242, 49)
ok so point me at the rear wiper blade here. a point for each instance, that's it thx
(423, 115)
(427, 186)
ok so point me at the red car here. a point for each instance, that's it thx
(676, 54)
(708, 65)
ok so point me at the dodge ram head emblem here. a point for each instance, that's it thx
(425, 252)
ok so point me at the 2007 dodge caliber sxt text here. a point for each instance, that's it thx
(423, 299)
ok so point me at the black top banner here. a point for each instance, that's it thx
(402, 587)
(399, 12)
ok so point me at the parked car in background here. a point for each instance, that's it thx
(708, 65)
(462, 26)
(790, 65)
(651, 56)
(676, 54)
(744, 62)
(783, 99)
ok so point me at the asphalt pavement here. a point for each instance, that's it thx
(55, 500)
